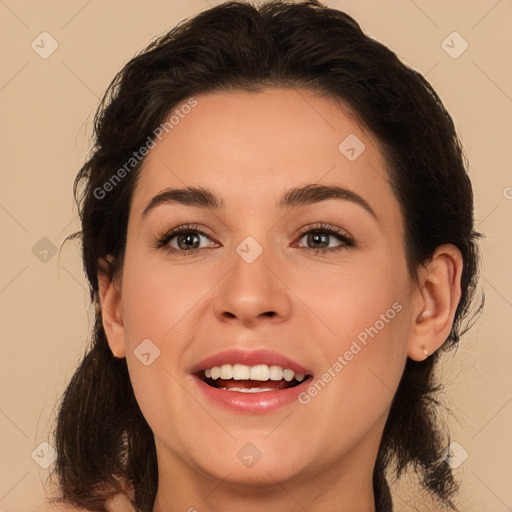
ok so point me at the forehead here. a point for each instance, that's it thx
(256, 145)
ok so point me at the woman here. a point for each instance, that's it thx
(277, 229)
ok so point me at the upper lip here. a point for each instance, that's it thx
(250, 358)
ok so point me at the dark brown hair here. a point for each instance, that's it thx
(103, 442)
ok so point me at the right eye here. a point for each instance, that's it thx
(184, 240)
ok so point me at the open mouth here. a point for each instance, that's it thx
(262, 379)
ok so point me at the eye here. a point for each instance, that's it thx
(325, 238)
(184, 240)
(187, 241)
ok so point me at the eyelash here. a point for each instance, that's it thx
(345, 239)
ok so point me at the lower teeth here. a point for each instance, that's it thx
(249, 390)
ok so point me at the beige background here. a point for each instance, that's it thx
(47, 107)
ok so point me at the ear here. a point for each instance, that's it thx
(111, 310)
(435, 301)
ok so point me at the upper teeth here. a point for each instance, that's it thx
(260, 372)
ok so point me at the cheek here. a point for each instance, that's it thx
(362, 295)
(157, 298)
(368, 313)
(160, 314)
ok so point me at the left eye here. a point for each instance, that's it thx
(322, 240)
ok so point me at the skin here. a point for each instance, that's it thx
(249, 148)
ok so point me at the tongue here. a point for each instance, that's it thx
(248, 384)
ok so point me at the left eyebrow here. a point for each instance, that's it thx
(314, 193)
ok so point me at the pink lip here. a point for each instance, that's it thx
(250, 358)
(264, 402)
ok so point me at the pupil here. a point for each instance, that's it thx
(319, 238)
(188, 238)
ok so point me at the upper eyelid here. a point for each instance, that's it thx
(322, 226)
(304, 229)
(173, 232)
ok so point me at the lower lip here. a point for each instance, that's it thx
(266, 401)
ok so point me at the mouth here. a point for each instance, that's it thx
(251, 379)
(256, 382)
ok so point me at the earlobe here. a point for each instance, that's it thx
(110, 304)
(435, 302)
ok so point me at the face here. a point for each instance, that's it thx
(314, 281)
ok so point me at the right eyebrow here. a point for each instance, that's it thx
(192, 196)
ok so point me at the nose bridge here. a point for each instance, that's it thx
(251, 290)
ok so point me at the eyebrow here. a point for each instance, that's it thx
(315, 193)
(191, 196)
(299, 196)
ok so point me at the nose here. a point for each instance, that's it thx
(253, 292)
